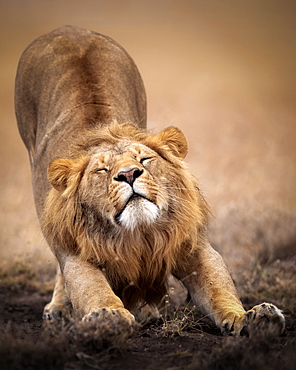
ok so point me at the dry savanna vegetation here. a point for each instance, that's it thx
(181, 338)
(223, 73)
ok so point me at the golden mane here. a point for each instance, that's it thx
(120, 252)
(111, 133)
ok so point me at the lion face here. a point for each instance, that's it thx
(129, 184)
(126, 184)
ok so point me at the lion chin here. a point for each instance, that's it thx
(138, 212)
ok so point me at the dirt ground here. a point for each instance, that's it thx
(180, 339)
(223, 72)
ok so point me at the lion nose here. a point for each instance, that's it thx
(129, 176)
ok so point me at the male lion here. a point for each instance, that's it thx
(117, 205)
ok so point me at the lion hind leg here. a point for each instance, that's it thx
(58, 307)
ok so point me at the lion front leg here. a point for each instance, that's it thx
(211, 288)
(90, 294)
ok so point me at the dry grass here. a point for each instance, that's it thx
(272, 283)
(246, 233)
(244, 354)
(25, 274)
(97, 345)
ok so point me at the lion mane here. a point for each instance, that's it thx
(136, 261)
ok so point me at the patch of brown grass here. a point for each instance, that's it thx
(24, 274)
(245, 353)
(246, 235)
(273, 282)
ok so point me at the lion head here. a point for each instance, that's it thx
(125, 200)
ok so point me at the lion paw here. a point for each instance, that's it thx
(264, 319)
(54, 312)
(109, 322)
(109, 314)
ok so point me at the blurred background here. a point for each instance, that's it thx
(222, 71)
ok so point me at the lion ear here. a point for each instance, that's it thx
(175, 140)
(59, 172)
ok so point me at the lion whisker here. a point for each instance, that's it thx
(178, 188)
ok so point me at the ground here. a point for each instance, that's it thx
(180, 339)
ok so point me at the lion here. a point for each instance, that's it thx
(117, 204)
